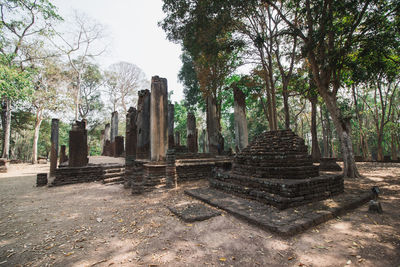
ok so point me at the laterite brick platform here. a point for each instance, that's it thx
(275, 169)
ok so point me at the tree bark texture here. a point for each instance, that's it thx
(7, 129)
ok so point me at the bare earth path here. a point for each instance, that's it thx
(97, 225)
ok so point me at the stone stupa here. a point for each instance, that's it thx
(276, 169)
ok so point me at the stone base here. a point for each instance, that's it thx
(329, 164)
(90, 173)
(193, 212)
(287, 222)
(41, 179)
(280, 193)
(154, 174)
(4, 164)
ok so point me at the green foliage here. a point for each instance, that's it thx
(180, 119)
(15, 83)
(90, 102)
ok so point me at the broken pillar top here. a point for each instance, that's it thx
(144, 92)
(79, 125)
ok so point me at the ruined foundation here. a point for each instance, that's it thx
(276, 169)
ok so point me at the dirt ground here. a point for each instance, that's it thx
(97, 225)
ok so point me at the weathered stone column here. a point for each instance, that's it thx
(118, 146)
(213, 126)
(241, 132)
(143, 125)
(130, 146)
(171, 114)
(63, 155)
(131, 135)
(177, 138)
(106, 141)
(191, 133)
(54, 146)
(114, 126)
(171, 169)
(158, 118)
(78, 149)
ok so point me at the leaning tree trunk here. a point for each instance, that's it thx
(380, 156)
(324, 135)
(35, 139)
(393, 147)
(343, 129)
(285, 95)
(315, 152)
(7, 129)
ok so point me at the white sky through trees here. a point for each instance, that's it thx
(134, 36)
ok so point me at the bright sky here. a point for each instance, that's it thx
(135, 36)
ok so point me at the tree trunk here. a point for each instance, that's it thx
(78, 96)
(393, 147)
(343, 129)
(324, 135)
(285, 95)
(315, 152)
(7, 130)
(38, 122)
(380, 156)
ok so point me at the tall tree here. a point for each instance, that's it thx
(330, 31)
(21, 20)
(47, 96)
(205, 32)
(85, 42)
(128, 79)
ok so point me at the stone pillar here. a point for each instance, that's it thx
(213, 126)
(102, 141)
(241, 132)
(114, 126)
(143, 125)
(63, 155)
(177, 138)
(170, 170)
(106, 141)
(191, 133)
(41, 179)
(78, 149)
(119, 146)
(4, 164)
(130, 146)
(54, 146)
(158, 119)
(171, 114)
(131, 135)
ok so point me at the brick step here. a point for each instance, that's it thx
(279, 201)
(297, 172)
(113, 170)
(290, 188)
(246, 192)
(113, 174)
(118, 179)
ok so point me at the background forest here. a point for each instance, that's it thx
(328, 70)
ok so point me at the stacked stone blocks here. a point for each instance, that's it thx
(276, 169)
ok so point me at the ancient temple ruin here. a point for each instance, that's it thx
(276, 169)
